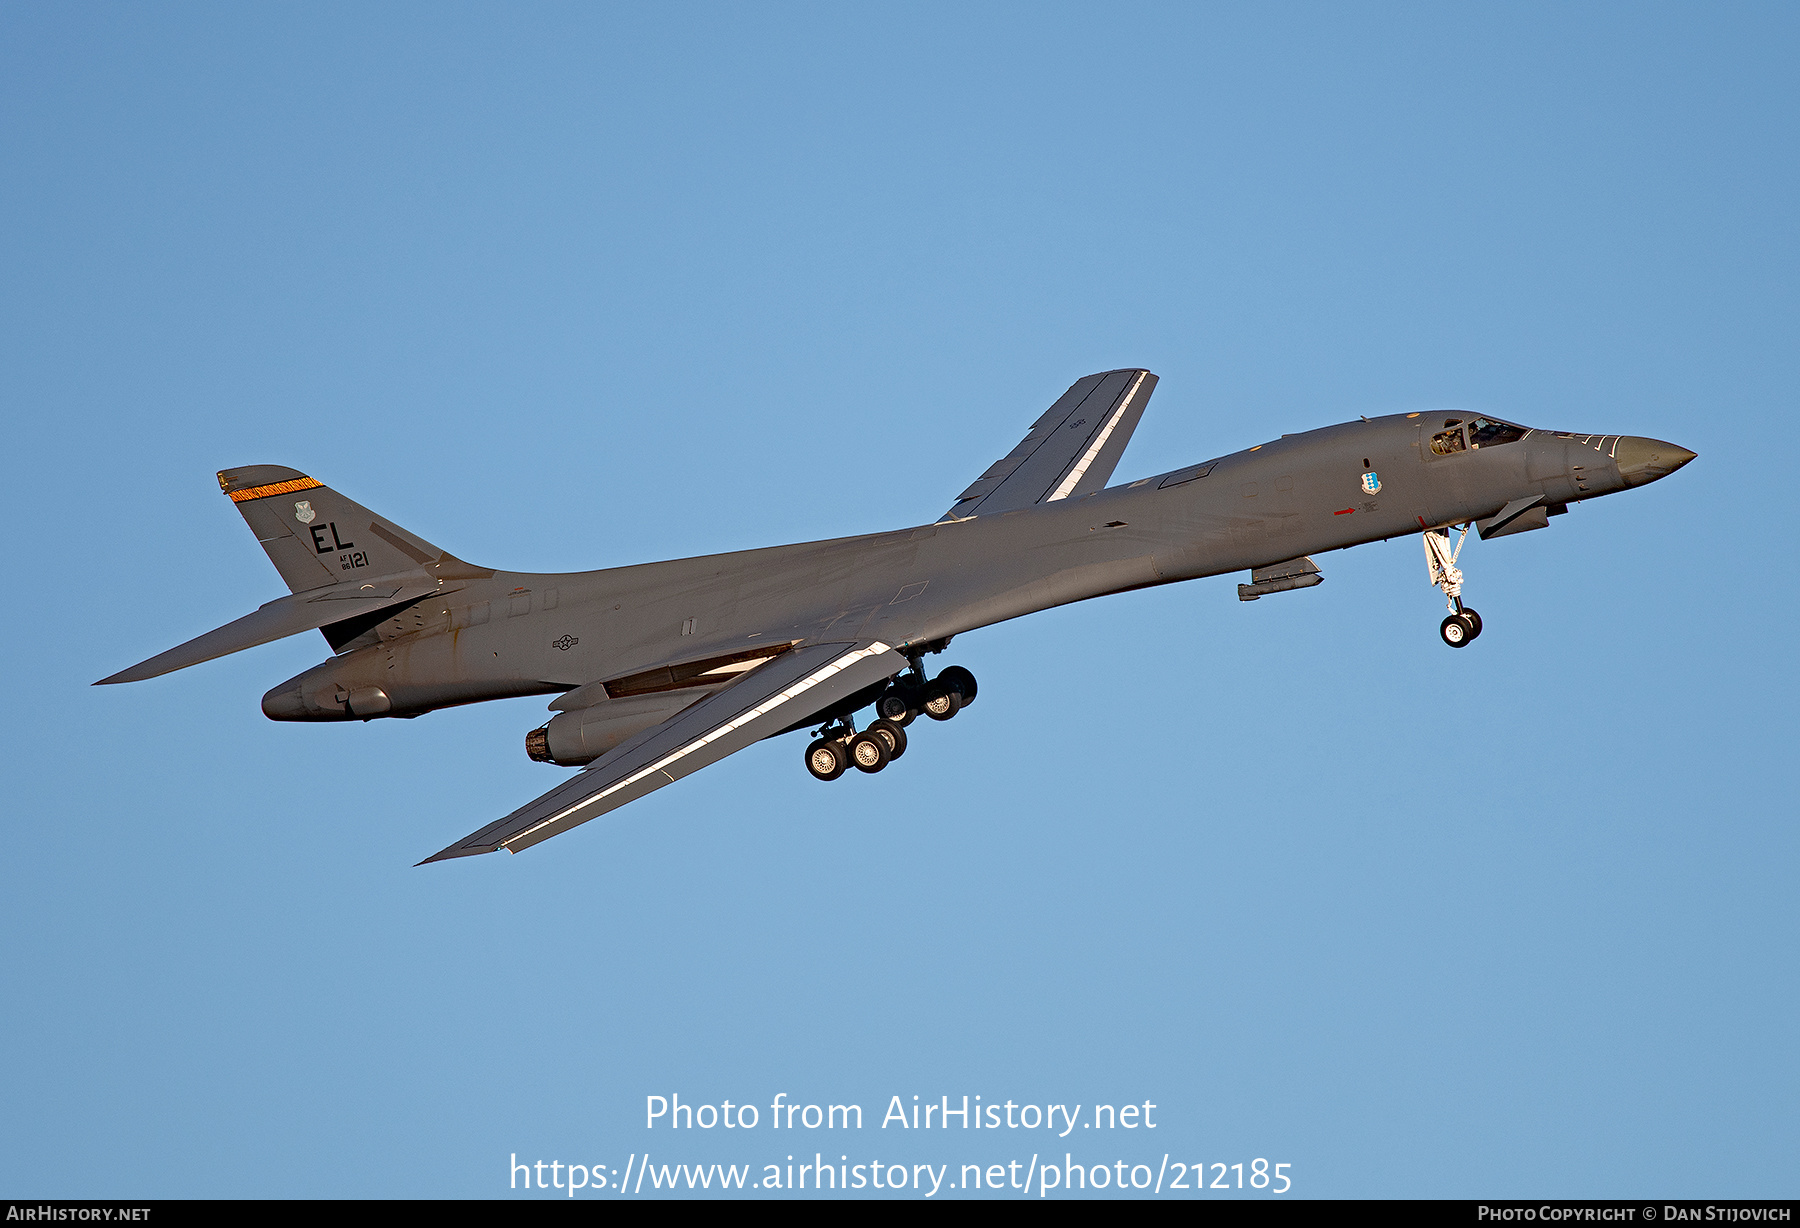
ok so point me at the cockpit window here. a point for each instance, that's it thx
(1485, 432)
(1448, 442)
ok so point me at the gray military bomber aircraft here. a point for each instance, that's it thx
(662, 668)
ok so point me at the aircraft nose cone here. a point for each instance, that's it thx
(1645, 460)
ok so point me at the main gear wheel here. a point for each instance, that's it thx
(826, 759)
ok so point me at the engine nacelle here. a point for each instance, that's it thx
(574, 739)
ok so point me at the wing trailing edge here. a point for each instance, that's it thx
(764, 702)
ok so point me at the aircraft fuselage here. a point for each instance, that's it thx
(515, 634)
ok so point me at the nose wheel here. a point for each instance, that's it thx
(1459, 630)
(1463, 624)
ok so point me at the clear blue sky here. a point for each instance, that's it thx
(569, 287)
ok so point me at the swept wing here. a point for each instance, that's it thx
(1070, 451)
(765, 701)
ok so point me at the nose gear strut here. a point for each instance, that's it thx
(1463, 624)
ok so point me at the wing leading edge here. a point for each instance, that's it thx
(1071, 450)
(763, 702)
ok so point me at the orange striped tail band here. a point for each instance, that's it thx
(274, 488)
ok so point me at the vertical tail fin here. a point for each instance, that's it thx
(314, 535)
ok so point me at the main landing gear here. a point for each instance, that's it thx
(1463, 624)
(839, 747)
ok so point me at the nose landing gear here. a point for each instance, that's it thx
(1463, 624)
(1459, 629)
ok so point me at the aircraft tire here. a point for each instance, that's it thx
(891, 732)
(869, 752)
(1457, 631)
(961, 681)
(826, 759)
(1475, 619)
(894, 706)
(940, 701)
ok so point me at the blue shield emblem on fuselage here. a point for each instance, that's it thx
(1371, 482)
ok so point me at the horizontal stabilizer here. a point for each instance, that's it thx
(765, 701)
(1071, 451)
(287, 616)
